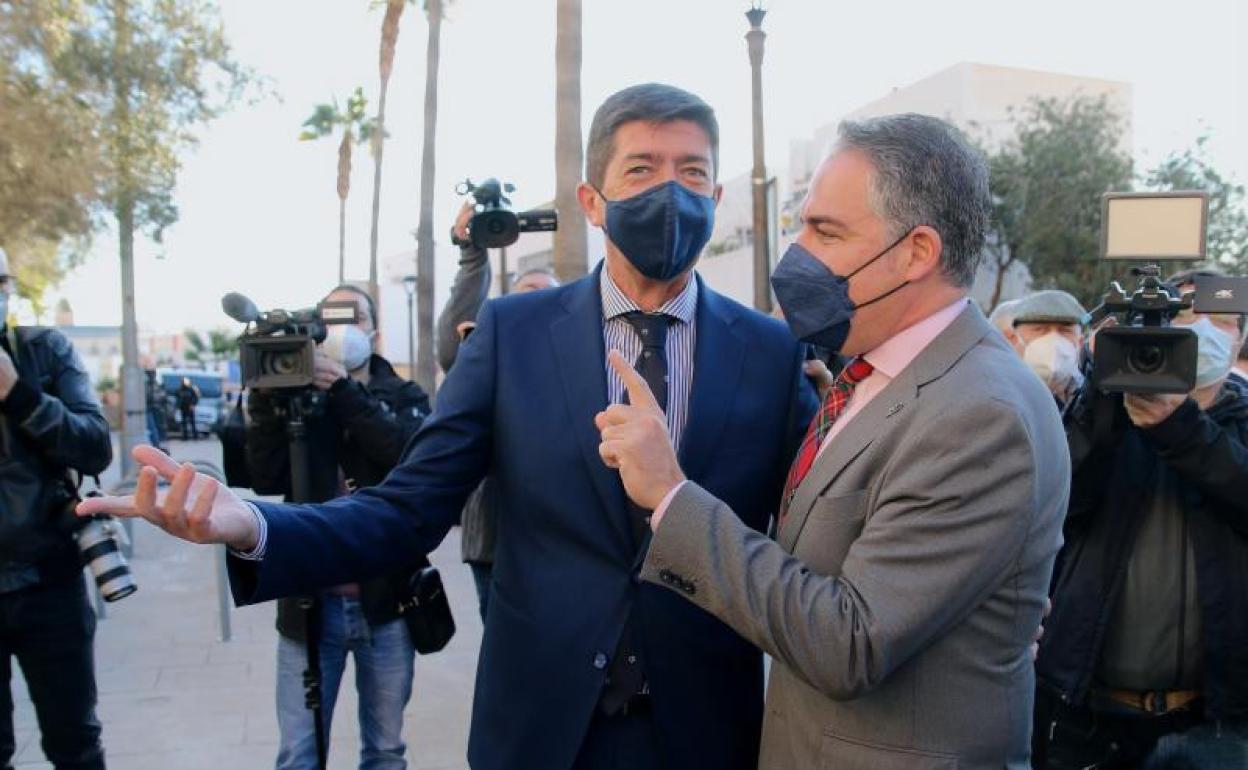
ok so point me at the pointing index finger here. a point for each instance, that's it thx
(638, 391)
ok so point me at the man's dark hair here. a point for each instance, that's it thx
(650, 102)
(927, 173)
(368, 299)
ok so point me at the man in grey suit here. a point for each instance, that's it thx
(922, 516)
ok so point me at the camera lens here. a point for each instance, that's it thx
(495, 226)
(281, 363)
(1146, 359)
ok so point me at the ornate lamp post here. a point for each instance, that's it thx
(758, 176)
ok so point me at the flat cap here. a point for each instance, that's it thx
(1051, 306)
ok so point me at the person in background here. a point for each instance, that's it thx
(1240, 370)
(1002, 318)
(1148, 639)
(187, 396)
(50, 422)
(479, 521)
(369, 413)
(1049, 327)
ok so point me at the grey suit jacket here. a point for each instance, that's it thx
(908, 580)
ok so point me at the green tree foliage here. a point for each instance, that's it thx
(50, 157)
(1227, 233)
(1047, 180)
(219, 345)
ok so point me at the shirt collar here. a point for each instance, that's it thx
(682, 307)
(896, 353)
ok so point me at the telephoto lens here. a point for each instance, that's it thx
(97, 544)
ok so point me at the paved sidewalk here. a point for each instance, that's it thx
(174, 696)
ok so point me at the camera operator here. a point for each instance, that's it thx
(50, 421)
(478, 523)
(1049, 328)
(1147, 647)
(368, 415)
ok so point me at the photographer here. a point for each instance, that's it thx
(368, 415)
(470, 290)
(50, 421)
(1146, 653)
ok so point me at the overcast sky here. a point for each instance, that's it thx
(259, 210)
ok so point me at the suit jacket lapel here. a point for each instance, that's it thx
(577, 336)
(966, 330)
(718, 357)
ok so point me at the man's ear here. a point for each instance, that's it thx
(591, 203)
(925, 250)
(718, 194)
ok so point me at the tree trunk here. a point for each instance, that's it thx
(133, 401)
(342, 241)
(1003, 267)
(425, 374)
(389, 37)
(571, 257)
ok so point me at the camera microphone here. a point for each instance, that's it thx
(239, 308)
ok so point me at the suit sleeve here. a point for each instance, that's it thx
(945, 532)
(378, 530)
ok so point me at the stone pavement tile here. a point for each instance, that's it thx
(198, 678)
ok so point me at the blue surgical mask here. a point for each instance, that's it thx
(815, 300)
(1214, 353)
(662, 230)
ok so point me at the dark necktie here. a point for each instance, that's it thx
(626, 676)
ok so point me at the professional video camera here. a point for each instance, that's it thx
(278, 347)
(495, 225)
(1144, 353)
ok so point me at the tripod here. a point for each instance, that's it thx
(295, 408)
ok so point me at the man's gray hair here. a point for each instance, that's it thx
(927, 173)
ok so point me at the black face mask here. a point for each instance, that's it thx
(815, 300)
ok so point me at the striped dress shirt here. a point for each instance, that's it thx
(620, 335)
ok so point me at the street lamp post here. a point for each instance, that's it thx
(758, 176)
(409, 286)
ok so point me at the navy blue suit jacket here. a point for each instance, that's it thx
(519, 404)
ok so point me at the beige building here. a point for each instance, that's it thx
(978, 98)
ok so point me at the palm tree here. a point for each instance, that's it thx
(424, 229)
(571, 259)
(356, 127)
(389, 38)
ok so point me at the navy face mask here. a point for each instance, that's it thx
(662, 230)
(815, 300)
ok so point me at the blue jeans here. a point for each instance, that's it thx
(384, 662)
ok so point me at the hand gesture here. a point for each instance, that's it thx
(635, 440)
(326, 371)
(195, 507)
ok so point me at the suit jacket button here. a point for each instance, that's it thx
(600, 661)
(665, 575)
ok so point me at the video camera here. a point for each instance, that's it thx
(495, 225)
(1144, 353)
(278, 348)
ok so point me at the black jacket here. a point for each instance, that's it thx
(50, 421)
(1208, 451)
(362, 430)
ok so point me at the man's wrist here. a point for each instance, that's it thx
(660, 510)
(255, 544)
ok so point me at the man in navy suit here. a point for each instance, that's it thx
(582, 665)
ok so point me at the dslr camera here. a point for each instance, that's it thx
(1144, 353)
(495, 225)
(278, 347)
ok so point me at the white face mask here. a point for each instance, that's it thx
(1215, 353)
(348, 345)
(1055, 360)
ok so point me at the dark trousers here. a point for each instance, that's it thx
(627, 742)
(50, 629)
(1111, 738)
(481, 575)
(189, 429)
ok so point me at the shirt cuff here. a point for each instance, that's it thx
(661, 508)
(262, 542)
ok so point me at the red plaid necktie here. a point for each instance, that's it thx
(834, 404)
